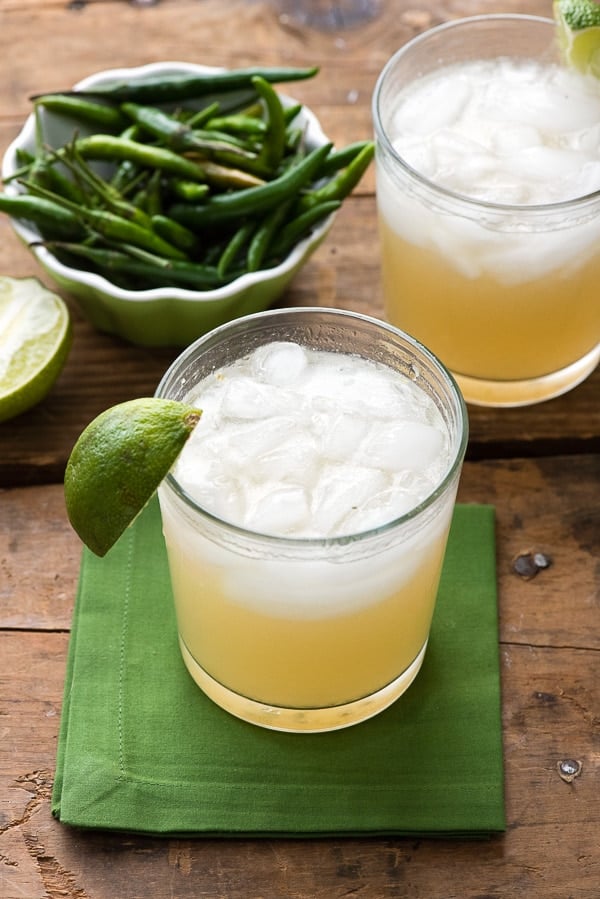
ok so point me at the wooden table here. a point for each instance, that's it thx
(539, 466)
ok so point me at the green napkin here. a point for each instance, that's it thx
(142, 749)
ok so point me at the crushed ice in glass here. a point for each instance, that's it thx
(307, 443)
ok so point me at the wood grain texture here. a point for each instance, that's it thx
(540, 467)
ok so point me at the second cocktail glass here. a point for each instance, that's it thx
(488, 190)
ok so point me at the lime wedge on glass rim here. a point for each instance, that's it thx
(35, 339)
(578, 23)
(118, 462)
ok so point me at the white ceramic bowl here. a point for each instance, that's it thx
(166, 316)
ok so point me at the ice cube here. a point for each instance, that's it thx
(280, 363)
(341, 439)
(282, 509)
(294, 460)
(550, 165)
(402, 445)
(384, 507)
(225, 500)
(340, 490)
(244, 398)
(436, 106)
(515, 137)
(244, 444)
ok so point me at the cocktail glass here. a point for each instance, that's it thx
(506, 294)
(297, 634)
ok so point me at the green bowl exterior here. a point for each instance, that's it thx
(172, 321)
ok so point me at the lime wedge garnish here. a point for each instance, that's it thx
(118, 462)
(578, 24)
(35, 338)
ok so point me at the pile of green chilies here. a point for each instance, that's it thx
(210, 177)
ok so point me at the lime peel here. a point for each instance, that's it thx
(35, 340)
(118, 462)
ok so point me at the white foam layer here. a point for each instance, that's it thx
(339, 580)
(302, 443)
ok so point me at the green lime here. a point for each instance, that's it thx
(35, 339)
(118, 462)
(579, 33)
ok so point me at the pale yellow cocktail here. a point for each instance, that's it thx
(536, 327)
(306, 519)
(488, 190)
(313, 656)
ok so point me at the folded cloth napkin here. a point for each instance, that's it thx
(142, 749)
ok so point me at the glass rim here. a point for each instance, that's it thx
(343, 539)
(472, 202)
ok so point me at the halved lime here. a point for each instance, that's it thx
(578, 24)
(118, 462)
(35, 338)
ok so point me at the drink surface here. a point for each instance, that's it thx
(502, 130)
(305, 443)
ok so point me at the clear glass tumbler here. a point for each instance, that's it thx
(309, 635)
(328, 15)
(504, 293)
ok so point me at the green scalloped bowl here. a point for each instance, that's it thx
(162, 316)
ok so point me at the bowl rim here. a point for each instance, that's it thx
(99, 283)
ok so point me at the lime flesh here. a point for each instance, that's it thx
(118, 462)
(35, 339)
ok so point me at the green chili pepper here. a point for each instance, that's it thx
(263, 236)
(152, 270)
(107, 147)
(343, 183)
(237, 124)
(51, 218)
(300, 226)
(273, 146)
(106, 193)
(83, 110)
(234, 247)
(227, 206)
(126, 170)
(44, 170)
(115, 149)
(202, 116)
(177, 134)
(114, 227)
(176, 234)
(190, 191)
(339, 159)
(153, 201)
(290, 112)
(171, 87)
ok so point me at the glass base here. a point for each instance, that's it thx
(327, 15)
(301, 720)
(480, 392)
